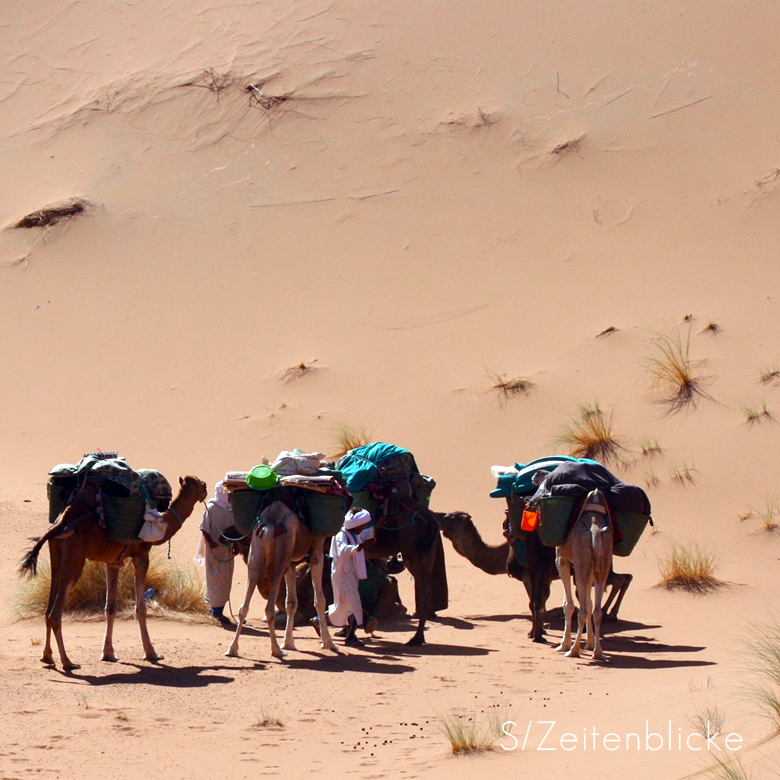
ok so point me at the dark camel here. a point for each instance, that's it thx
(459, 528)
(413, 531)
(77, 538)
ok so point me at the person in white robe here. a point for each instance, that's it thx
(347, 569)
(215, 555)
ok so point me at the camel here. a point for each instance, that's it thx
(413, 531)
(76, 538)
(279, 541)
(459, 528)
(588, 547)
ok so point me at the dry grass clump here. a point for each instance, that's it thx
(179, 591)
(677, 379)
(652, 481)
(466, 734)
(764, 649)
(346, 437)
(769, 375)
(708, 721)
(509, 387)
(267, 721)
(683, 474)
(728, 768)
(51, 215)
(297, 371)
(768, 514)
(690, 568)
(592, 435)
(712, 327)
(650, 448)
(757, 414)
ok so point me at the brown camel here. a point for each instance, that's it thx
(278, 542)
(76, 538)
(588, 548)
(459, 528)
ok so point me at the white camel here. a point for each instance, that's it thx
(588, 547)
(279, 541)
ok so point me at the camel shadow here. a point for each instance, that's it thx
(353, 662)
(400, 650)
(498, 618)
(620, 661)
(156, 674)
(453, 622)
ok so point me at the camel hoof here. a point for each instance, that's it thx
(331, 646)
(573, 653)
(279, 654)
(110, 658)
(70, 666)
(153, 657)
(562, 649)
(540, 640)
(416, 641)
(290, 646)
(232, 652)
(599, 657)
(48, 660)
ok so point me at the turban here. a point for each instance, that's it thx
(355, 520)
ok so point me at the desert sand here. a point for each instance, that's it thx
(412, 199)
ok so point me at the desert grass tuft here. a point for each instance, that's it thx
(347, 437)
(466, 734)
(728, 768)
(757, 414)
(650, 448)
(768, 514)
(712, 327)
(764, 664)
(683, 474)
(689, 568)
(652, 481)
(267, 721)
(592, 435)
(509, 387)
(708, 721)
(179, 591)
(52, 215)
(676, 379)
(297, 371)
(769, 375)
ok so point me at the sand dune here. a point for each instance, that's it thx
(415, 200)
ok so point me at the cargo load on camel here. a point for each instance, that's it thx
(551, 508)
(316, 493)
(129, 502)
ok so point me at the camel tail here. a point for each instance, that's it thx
(267, 550)
(29, 565)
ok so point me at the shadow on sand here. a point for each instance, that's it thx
(156, 674)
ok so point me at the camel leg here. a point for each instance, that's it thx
(317, 562)
(291, 606)
(253, 572)
(585, 612)
(619, 583)
(55, 557)
(141, 564)
(65, 582)
(564, 569)
(270, 613)
(601, 586)
(112, 586)
(422, 571)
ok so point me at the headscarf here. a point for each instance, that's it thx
(357, 519)
(221, 495)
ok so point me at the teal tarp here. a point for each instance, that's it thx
(521, 484)
(361, 466)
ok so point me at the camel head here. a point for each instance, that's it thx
(194, 488)
(452, 522)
